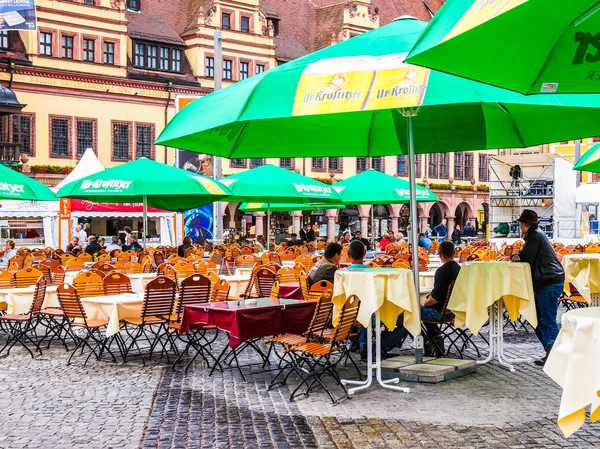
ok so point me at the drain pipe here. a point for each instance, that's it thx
(170, 91)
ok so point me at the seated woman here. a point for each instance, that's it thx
(325, 269)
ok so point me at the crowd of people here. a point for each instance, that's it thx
(85, 241)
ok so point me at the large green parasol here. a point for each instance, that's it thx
(289, 207)
(15, 186)
(590, 161)
(149, 182)
(530, 46)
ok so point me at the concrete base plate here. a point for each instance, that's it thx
(432, 370)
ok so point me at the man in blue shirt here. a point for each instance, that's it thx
(441, 230)
(424, 241)
(133, 245)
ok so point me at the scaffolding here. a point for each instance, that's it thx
(544, 183)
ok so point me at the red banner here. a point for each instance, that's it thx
(90, 206)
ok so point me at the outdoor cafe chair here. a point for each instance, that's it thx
(103, 258)
(317, 289)
(401, 264)
(303, 279)
(167, 270)
(104, 267)
(265, 278)
(274, 291)
(216, 256)
(147, 266)
(28, 263)
(157, 309)
(87, 333)
(58, 274)
(372, 264)
(194, 290)
(89, 284)
(321, 246)
(21, 328)
(133, 268)
(246, 250)
(7, 279)
(314, 332)
(288, 255)
(313, 360)
(310, 247)
(49, 262)
(85, 257)
(18, 260)
(116, 284)
(220, 291)
(306, 261)
(27, 277)
(227, 266)
(288, 275)
(74, 264)
(184, 269)
(246, 261)
(205, 266)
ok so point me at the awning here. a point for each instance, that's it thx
(84, 208)
(588, 194)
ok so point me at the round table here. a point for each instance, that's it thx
(583, 271)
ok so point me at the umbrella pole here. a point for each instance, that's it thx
(145, 218)
(414, 221)
(268, 227)
(372, 227)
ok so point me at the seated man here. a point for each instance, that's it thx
(93, 246)
(431, 307)
(74, 247)
(9, 251)
(294, 240)
(358, 237)
(325, 269)
(114, 244)
(357, 252)
(424, 241)
(133, 245)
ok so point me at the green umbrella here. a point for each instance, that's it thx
(15, 186)
(590, 161)
(264, 207)
(530, 46)
(374, 187)
(274, 185)
(149, 182)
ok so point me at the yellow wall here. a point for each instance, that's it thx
(567, 150)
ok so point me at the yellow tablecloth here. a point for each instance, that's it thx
(391, 291)
(18, 300)
(583, 271)
(426, 279)
(574, 364)
(237, 284)
(481, 284)
(113, 308)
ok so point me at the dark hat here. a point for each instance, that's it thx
(529, 217)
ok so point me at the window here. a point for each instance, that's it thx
(139, 55)
(164, 58)
(176, 54)
(419, 165)
(67, 47)
(109, 53)
(402, 166)
(24, 136)
(210, 67)
(318, 164)
(286, 162)
(275, 23)
(433, 171)
(468, 166)
(459, 166)
(46, 44)
(85, 133)
(144, 139)
(238, 163)
(377, 163)
(335, 164)
(152, 57)
(245, 22)
(88, 2)
(244, 69)
(121, 140)
(4, 41)
(226, 21)
(133, 5)
(88, 49)
(361, 164)
(444, 166)
(260, 68)
(257, 162)
(484, 173)
(227, 64)
(60, 130)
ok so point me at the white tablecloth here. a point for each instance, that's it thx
(113, 308)
(237, 284)
(574, 364)
(18, 300)
(139, 281)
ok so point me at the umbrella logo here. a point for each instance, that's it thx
(100, 185)
(313, 189)
(406, 193)
(12, 189)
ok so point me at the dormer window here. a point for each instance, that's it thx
(154, 56)
(133, 5)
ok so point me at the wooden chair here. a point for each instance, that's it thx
(147, 266)
(89, 331)
(265, 278)
(401, 264)
(167, 270)
(50, 262)
(288, 275)
(214, 277)
(184, 269)
(7, 279)
(133, 268)
(18, 260)
(103, 258)
(88, 284)
(216, 256)
(104, 267)
(124, 258)
(27, 277)
(85, 257)
(205, 266)
(288, 255)
(227, 266)
(159, 257)
(74, 264)
(317, 289)
(157, 310)
(246, 250)
(372, 264)
(246, 261)
(303, 286)
(220, 291)
(116, 284)
(274, 291)
(58, 274)
(313, 359)
(20, 327)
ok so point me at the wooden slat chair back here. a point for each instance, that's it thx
(214, 277)
(133, 268)
(275, 258)
(205, 266)
(593, 248)
(346, 319)
(27, 277)
(38, 297)
(124, 258)
(188, 252)
(288, 255)
(304, 286)
(220, 291)
(70, 303)
(306, 261)
(46, 273)
(372, 264)
(311, 248)
(74, 264)
(184, 269)
(235, 252)
(288, 275)
(58, 274)
(142, 254)
(85, 257)
(194, 290)
(274, 291)
(159, 257)
(104, 267)
(300, 268)
(317, 289)
(103, 258)
(147, 266)
(50, 262)
(19, 260)
(159, 299)
(115, 253)
(379, 261)
(265, 278)
(323, 311)
(246, 250)
(246, 261)
(193, 258)
(7, 279)
(167, 270)
(321, 246)
(227, 265)
(401, 264)
(116, 284)
(28, 261)
(88, 284)
(216, 256)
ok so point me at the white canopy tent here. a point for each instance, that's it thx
(88, 165)
(588, 194)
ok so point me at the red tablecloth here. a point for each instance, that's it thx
(290, 291)
(245, 322)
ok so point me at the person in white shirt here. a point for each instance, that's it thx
(79, 232)
(10, 251)
(114, 244)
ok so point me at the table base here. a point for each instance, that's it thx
(364, 384)
(496, 325)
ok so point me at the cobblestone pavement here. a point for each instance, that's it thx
(45, 404)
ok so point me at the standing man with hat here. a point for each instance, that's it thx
(547, 275)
